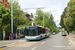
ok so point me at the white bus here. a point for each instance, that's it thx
(36, 32)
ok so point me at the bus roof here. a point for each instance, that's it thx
(47, 28)
(37, 26)
(31, 26)
(20, 27)
(34, 26)
(43, 28)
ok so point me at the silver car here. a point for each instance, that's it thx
(63, 33)
(54, 33)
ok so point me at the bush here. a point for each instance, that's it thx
(1, 29)
(7, 30)
(14, 28)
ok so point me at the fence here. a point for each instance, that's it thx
(1, 35)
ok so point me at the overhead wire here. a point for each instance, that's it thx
(29, 3)
(24, 3)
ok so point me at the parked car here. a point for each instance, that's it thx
(63, 33)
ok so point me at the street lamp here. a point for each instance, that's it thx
(43, 20)
(11, 16)
(43, 15)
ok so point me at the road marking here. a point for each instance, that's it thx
(42, 42)
(59, 46)
(69, 48)
(11, 45)
(33, 48)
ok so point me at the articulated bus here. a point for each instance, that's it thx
(36, 33)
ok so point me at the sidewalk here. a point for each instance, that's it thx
(71, 38)
(5, 43)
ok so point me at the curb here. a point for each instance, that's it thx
(71, 41)
(67, 37)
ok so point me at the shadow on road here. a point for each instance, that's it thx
(44, 39)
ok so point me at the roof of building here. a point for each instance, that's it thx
(26, 13)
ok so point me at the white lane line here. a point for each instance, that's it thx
(42, 42)
(33, 48)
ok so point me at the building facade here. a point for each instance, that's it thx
(5, 3)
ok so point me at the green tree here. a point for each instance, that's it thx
(19, 16)
(62, 18)
(69, 21)
(38, 19)
(48, 19)
(5, 15)
(16, 5)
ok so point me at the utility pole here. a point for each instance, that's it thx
(43, 20)
(11, 16)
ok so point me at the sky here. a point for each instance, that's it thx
(56, 7)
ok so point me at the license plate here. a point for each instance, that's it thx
(31, 38)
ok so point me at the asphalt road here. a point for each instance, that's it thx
(54, 42)
(10, 42)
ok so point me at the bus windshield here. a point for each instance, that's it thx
(31, 32)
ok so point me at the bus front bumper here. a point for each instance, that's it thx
(37, 38)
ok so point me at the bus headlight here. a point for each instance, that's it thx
(34, 37)
(27, 37)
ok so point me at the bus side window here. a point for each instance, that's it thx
(25, 31)
(43, 31)
(39, 30)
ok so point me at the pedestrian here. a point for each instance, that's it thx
(68, 31)
(11, 35)
(52, 31)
